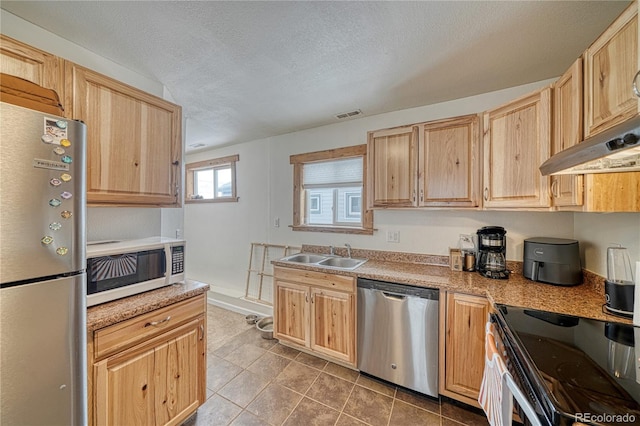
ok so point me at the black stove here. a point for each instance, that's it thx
(573, 369)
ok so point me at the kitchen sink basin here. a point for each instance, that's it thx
(334, 262)
(304, 258)
(342, 262)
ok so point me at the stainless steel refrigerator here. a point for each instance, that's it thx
(43, 371)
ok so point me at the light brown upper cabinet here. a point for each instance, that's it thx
(608, 192)
(517, 139)
(29, 63)
(610, 65)
(567, 190)
(449, 162)
(133, 140)
(432, 164)
(392, 155)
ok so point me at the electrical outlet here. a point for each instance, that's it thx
(393, 236)
(276, 222)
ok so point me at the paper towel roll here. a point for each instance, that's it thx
(636, 298)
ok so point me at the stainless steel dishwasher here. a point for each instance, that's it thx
(398, 334)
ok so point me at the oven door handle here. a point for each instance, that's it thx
(507, 380)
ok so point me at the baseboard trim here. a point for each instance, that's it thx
(239, 305)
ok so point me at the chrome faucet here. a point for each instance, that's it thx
(348, 250)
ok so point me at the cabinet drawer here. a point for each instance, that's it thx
(316, 279)
(117, 337)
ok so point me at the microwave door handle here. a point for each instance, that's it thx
(168, 261)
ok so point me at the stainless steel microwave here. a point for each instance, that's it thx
(117, 269)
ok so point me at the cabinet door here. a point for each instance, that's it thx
(464, 321)
(177, 375)
(610, 65)
(333, 324)
(613, 192)
(566, 190)
(291, 312)
(124, 390)
(24, 61)
(517, 140)
(133, 140)
(156, 383)
(392, 167)
(449, 166)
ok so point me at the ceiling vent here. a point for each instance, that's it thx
(349, 114)
(197, 145)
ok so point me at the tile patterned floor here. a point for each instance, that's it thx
(254, 381)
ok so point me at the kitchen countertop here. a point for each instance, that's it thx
(109, 313)
(585, 300)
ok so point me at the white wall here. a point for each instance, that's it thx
(597, 231)
(102, 223)
(219, 235)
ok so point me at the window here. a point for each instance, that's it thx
(212, 181)
(329, 191)
(315, 206)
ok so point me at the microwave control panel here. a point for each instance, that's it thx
(177, 260)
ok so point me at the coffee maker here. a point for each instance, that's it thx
(492, 249)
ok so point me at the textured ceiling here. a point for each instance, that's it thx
(248, 70)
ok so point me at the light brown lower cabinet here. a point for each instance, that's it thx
(316, 311)
(151, 369)
(462, 329)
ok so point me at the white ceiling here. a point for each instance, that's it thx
(248, 70)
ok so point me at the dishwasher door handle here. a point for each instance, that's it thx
(393, 295)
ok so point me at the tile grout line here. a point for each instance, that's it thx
(303, 395)
(339, 375)
(393, 403)
(353, 386)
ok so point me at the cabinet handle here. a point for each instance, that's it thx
(554, 187)
(201, 331)
(313, 298)
(421, 195)
(413, 195)
(306, 297)
(636, 90)
(154, 323)
(486, 194)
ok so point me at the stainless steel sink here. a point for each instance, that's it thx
(304, 258)
(324, 261)
(342, 262)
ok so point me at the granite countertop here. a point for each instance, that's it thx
(109, 313)
(585, 300)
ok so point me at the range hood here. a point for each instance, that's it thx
(614, 150)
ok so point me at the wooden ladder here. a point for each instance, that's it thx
(259, 289)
